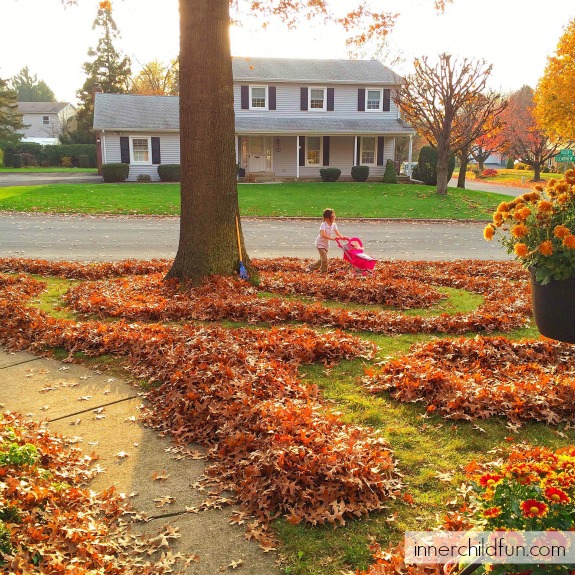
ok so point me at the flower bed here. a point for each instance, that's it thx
(484, 377)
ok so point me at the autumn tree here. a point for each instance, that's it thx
(433, 96)
(555, 94)
(11, 122)
(477, 118)
(30, 89)
(157, 79)
(108, 68)
(523, 139)
(491, 142)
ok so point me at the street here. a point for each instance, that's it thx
(99, 238)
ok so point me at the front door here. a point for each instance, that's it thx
(259, 154)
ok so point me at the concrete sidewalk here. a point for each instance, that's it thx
(101, 413)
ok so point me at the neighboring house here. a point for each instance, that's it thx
(292, 117)
(45, 121)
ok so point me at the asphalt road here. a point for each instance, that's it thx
(95, 238)
(8, 179)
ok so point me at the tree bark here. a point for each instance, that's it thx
(442, 171)
(209, 197)
(464, 160)
(537, 174)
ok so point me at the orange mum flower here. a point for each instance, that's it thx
(521, 250)
(545, 206)
(557, 495)
(533, 508)
(519, 231)
(561, 231)
(546, 248)
(497, 219)
(570, 176)
(106, 5)
(569, 241)
(522, 214)
(489, 232)
(503, 207)
(489, 480)
(492, 512)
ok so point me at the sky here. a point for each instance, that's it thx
(515, 36)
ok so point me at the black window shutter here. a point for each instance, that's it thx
(380, 151)
(156, 158)
(330, 99)
(386, 100)
(303, 99)
(326, 150)
(245, 92)
(272, 97)
(302, 150)
(125, 149)
(361, 99)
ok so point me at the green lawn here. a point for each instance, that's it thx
(520, 178)
(49, 170)
(305, 199)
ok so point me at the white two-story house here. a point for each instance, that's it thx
(292, 117)
(45, 121)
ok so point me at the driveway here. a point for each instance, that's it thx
(484, 187)
(8, 179)
(67, 237)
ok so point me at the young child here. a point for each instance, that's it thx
(327, 231)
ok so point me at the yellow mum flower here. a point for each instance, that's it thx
(569, 241)
(519, 231)
(489, 232)
(521, 250)
(561, 231)
(546, 248)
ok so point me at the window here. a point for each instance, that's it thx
(317, 99)
(373, 100)
(140, 150)
(46, 120)
(368, 151)
(313, 151)
(258, 97)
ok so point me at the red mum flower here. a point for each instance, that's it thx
(492, 512)
(490, 480)
(557, 495)
(533, 508)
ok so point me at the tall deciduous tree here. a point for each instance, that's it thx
(478, 117)
(209, 196)
(157, 79)
(10, 119)
(30, 89)
(108, 68)
(524, 139)
(431, 99)
(555, 94)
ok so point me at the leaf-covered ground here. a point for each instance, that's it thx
(271, 437)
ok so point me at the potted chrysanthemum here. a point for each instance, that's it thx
(539, 228)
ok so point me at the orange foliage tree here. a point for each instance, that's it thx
(209, 198)
(555, 94)
(157, 79)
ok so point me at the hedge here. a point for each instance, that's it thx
(169, 172)
(360, 173)
(52, 155)
(113, 173)
(330, 174)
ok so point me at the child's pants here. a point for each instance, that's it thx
(320, 264)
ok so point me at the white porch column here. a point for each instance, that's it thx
(297, 157)
(409, 155)
(354, 151)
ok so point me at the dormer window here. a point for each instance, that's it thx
(258, 97)
(317, 99)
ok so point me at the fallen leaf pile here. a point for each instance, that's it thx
(237, 391)
(485, 377)
(52, 524)
(150, 298)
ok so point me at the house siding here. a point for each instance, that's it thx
(288, 102)
(37, 129)
(169, 152)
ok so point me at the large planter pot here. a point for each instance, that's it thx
(554, 308)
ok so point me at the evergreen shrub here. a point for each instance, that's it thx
(389, 177)
(360, 173)
(113, 173)
(330, 174)
(169, 172)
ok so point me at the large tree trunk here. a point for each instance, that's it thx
(537, 170)
(442, 171)
(209, 198)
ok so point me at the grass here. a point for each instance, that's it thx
(431, 451)
(303, 199)
(48, 170)
(514, 178)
